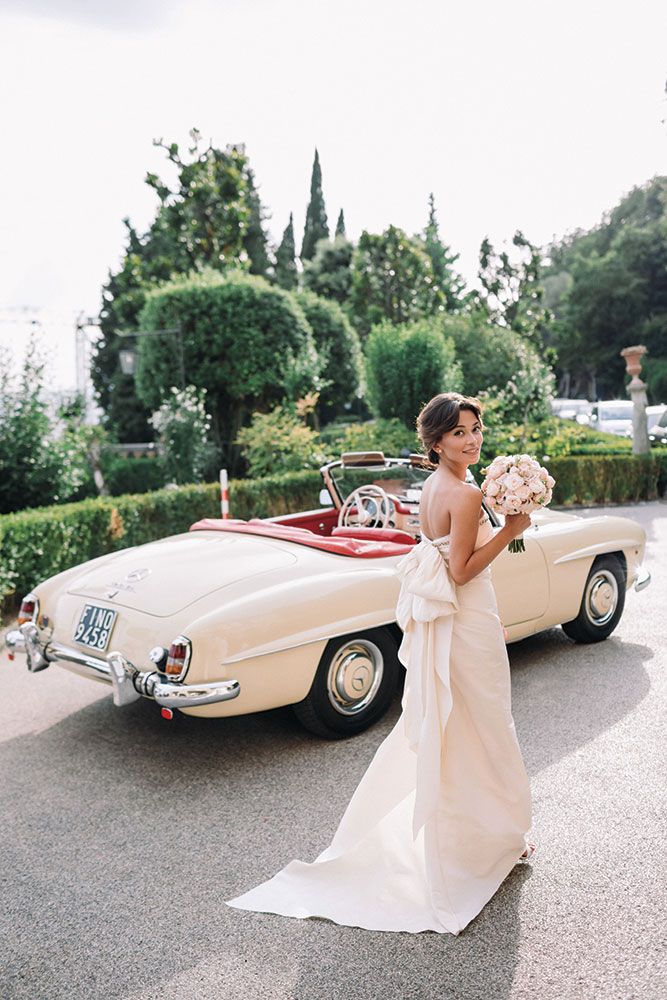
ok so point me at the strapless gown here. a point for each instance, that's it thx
(441, 815)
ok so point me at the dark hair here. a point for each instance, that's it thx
(441, 414)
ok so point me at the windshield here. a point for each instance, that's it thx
(404, 481)
(618, 412)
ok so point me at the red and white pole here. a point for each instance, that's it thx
(224, 494)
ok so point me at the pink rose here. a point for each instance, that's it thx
(513, 481)
(492, 488)
(523, 492)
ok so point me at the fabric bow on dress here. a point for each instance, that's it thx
(427, 593)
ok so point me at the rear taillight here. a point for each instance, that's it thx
(29, 609)
(178, 658)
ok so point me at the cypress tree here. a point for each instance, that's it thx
(340, 225)
(316, 227)
(448, 280)
(254, 241)
(286, 273)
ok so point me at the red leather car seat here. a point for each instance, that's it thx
(375, 534)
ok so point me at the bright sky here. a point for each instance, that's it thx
(516, 115)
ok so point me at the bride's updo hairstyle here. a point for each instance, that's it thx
(441, 414)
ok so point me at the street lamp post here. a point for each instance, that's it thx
(128, 356)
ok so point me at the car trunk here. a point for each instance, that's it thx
(165, 577)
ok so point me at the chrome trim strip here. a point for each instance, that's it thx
(130, 684)
(643, 579)
(598, 549)
(188, 695)
(99, 668)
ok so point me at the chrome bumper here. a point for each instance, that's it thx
(127, 681)
(643, 579)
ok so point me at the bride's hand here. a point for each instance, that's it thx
(516, 524)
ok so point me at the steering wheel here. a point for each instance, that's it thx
(373, 508)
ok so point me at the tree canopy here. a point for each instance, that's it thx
(393, 279)
(245, 341)
(609, 290)
(339, 347)
(210, 216)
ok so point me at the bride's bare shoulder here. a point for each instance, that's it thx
(467, 497)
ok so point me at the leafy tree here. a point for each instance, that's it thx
(316, 227)
(329, 273)
(338, 344)
(45, 457)
(210, 217)
(286, 272)
(340, 224)
(182, 425)
(609, 290)
(450, 283)
(512, 293)
(499, 363)
(392, 279)
(30, 473)
(245, 341)
(407, 365)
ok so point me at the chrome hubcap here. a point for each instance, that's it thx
(354, 677)
(601, 597)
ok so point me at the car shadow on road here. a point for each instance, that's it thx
(564, 694)
(130, 832)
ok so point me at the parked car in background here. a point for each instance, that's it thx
(236, 616)
(572, 409)
(657, 429)
(612, 416)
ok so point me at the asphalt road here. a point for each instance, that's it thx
(122, 834)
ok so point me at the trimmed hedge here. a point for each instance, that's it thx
(37, 544)
(600, 479)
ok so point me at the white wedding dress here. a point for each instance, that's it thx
(441, 815)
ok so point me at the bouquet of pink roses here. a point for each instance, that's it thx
(516, 484)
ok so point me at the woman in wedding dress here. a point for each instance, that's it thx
(442, 813)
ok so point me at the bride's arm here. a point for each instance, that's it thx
(464, 561)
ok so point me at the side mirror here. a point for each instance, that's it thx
(325, 498)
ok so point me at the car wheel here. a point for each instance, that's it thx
(602, 603)
(354, 684)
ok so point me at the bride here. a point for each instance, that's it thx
(442, 813)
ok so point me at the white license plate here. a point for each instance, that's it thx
(95, 625)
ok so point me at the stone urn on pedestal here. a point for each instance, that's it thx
(637, 393)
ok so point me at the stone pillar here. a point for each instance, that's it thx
(637, 393)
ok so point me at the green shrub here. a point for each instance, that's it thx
(132, 475)
(390, 436)
(407, 365)
(607, 479)
(279, 442)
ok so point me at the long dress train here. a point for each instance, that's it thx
(441, 814)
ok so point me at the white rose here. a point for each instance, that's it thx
(551, 482)
(523, 492)
(492, 488)
(513, 481)
(537, 487)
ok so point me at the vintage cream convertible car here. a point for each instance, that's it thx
(240, 616)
